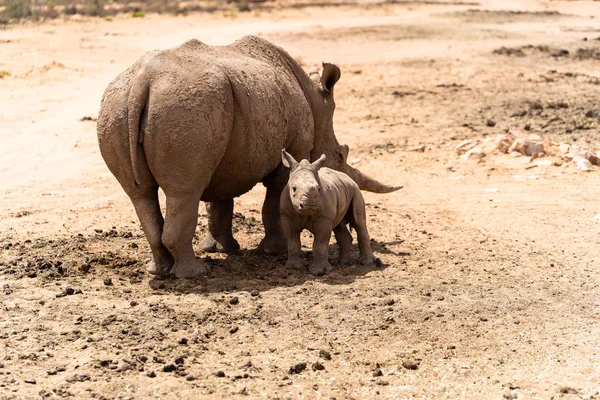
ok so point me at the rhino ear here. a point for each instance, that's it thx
(319, 163)
(342, 151)
(331, 74)
(287, 160)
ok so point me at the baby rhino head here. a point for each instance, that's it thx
(304, 184)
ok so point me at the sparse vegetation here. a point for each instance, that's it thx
(16, 10)
(4, 74)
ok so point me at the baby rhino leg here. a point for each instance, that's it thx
(344, 240)
(322, 231)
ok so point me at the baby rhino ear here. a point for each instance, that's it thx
(288, 160)
(319, 163)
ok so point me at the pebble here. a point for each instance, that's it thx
(179, 360)
(220, 374)
(409, 364)
(377, 372)
(299, 367)
(69, 290)
(151, 374)
(491, 123)
(183, 341)
(108, 282)
(233, 330)
(317, 366)
(254, 293)
(190, 378)
(133, 303)
(390, 302)
(169, 368)
(31, 381)
(324, 354)
(234, 300)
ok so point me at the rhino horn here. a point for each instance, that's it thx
(369, 184)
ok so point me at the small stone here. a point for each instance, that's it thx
(183, 341)
(324, 354)
(133, 303)
(169, 368)
(179, 360)
(390, 302)
(233, 330)
(30, 381)
(220, 374)
(451, 347)
(483, 319)
(190, 378)
(409, 364)
(317, 366)
(32, 274)
(254, 293)
(490, 123)
(108, 282)
(377, 372)
(69, 290)
(297, 368)
(234, 300)
(151, 374)
(567, 390)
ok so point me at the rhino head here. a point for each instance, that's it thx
(304, 184)
(320, 95)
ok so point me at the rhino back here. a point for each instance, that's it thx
(338, 191)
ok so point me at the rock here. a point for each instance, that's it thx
(69, 291)
(183, 341)
(297, 368)
(390, 302)
(234, 300)
(377, 372)
(583, 164)
(233, 330)
(151, 374)
(169, 368)
(324, 354)
(31, 381)
(410, 364)
(490, 123)
(476, 153)
(564, 147)
(588, 155)
(515, 154)
(317, 366)
(420, 148)
(503, 142)
(133, 303)
(527, 147)
(465, 146)
(190, 378)
(179, 360)
(254, 293)
(108, 282)
(220, 374)
(567, 390)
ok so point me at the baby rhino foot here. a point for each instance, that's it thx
(158, 268)
(320, 269)
(343, 261)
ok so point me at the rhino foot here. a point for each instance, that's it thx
(320, 269)
(368, 261)
(211, 245)
(297, 263)
(191, 270)
(159, 268)
(273, 245)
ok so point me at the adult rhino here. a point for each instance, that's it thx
(207, 123)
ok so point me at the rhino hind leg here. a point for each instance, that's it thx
(147, 208)
(274, 242)
(219, 238)
(344, 240)
(180, 225)
(359, 223)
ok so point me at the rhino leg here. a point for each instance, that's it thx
(148, 211)
(274, 241)
(180, 225)
(293, 244)
(360, 224)
(322, 233)
(220, 238)
(344, 240)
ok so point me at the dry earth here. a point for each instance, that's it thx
(490, 287)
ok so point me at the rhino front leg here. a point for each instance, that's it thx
(274, 241)
(322, 233)
(220, 238)
(180, 225)
(344, 240)
(293, 243)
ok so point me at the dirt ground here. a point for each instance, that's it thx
(490, 284)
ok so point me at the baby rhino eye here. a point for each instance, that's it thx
(294, 189)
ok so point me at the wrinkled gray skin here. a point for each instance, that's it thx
(322, 200)
(207, 123)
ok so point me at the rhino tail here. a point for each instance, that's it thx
(138, 97)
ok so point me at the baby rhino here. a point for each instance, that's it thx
(321, 200)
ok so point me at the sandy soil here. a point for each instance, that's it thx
(490, 287)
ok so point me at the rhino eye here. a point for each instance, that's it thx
(294, 189)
